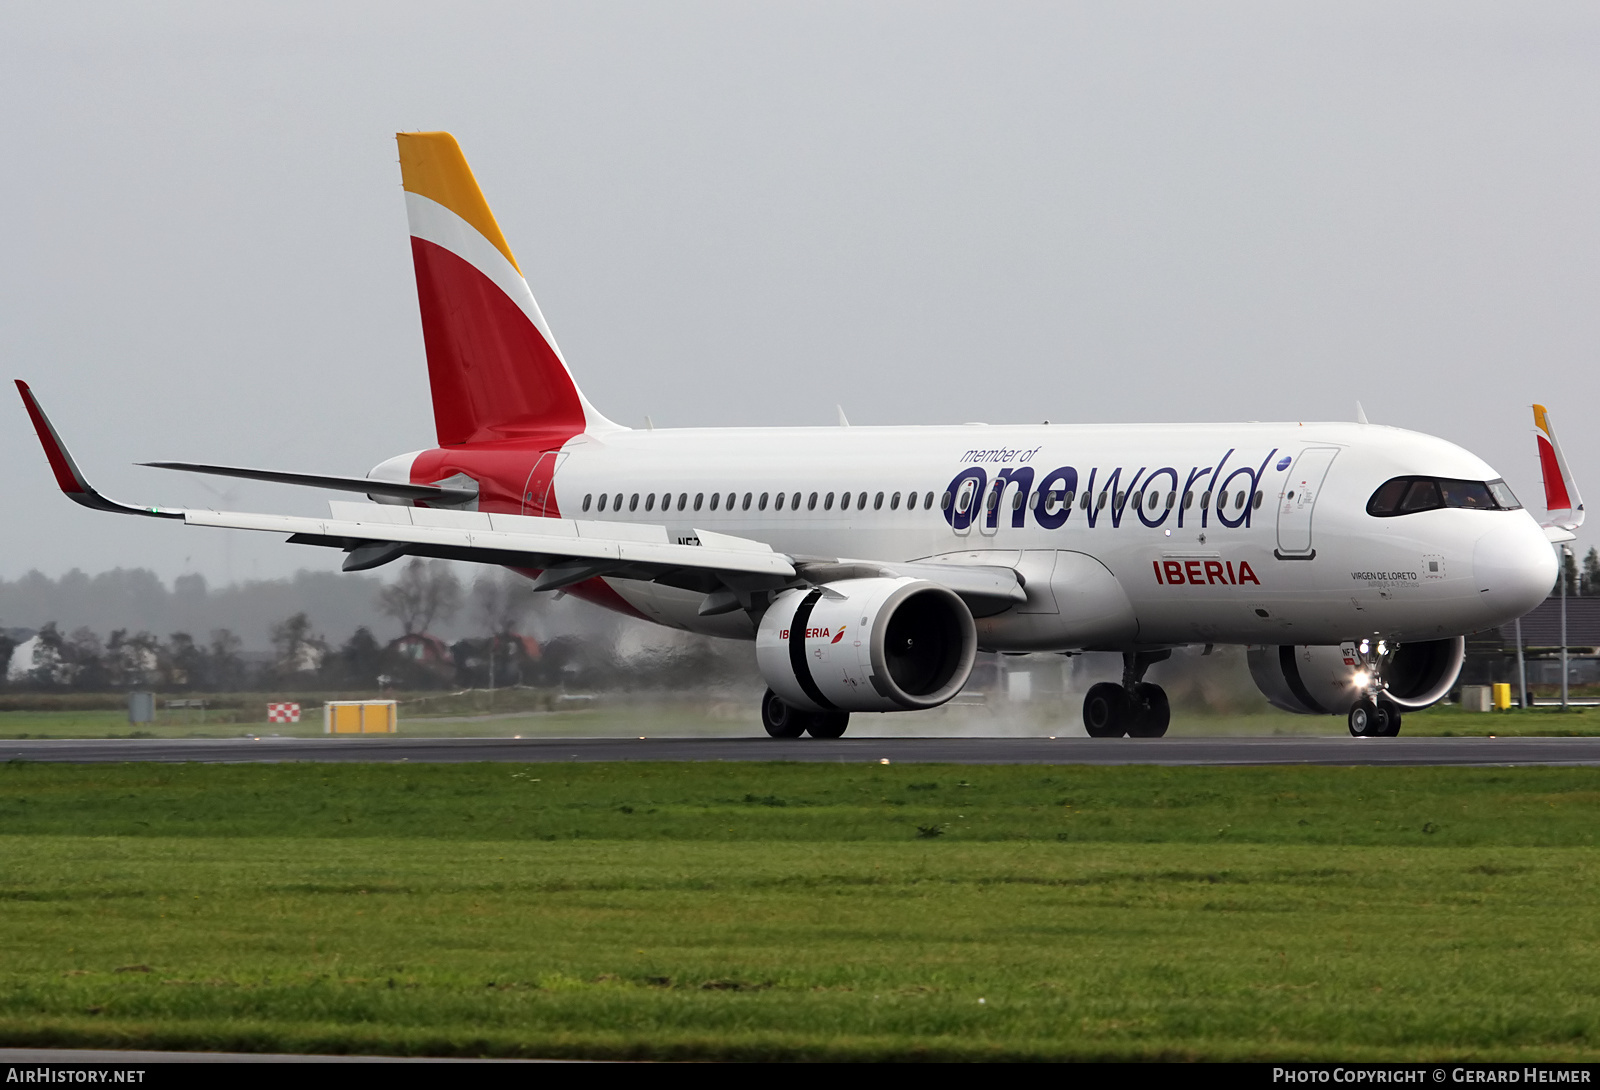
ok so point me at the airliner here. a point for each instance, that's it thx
(870, 564)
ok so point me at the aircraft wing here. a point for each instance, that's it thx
(727, 569)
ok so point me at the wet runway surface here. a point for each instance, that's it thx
(1093, 751)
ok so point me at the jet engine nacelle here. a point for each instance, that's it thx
(1327, 680)
(867, 645)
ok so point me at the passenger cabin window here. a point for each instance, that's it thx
(761, 504)
(894, 502)
(602, 504)
(777, 502)
(827, 502)
(844, 502)
(633, 502)
(1409, 495)
(586, 500)
(683, 500)
(811, 504)
(699, 497)
(715, 496)
(650, 502)
(794, 502)
(745, 506)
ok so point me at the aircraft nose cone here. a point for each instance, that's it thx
(1515, 567)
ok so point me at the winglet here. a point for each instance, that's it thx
(1561, 497)
(68, 475)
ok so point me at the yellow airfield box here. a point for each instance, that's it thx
(360, 717)
(1502, 695)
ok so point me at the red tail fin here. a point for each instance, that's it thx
(494, 368)
(1561, 497)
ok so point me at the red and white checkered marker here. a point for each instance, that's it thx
(283, 713)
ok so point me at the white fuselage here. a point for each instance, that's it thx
(1304, 564)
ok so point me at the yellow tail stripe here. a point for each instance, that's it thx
(431, 164)
(1539, 419)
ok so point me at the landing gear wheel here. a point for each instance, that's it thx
(1106, 710)
(781, 720)
(1392, 711)
(1151, 712)
(1368, 720)
(828, 724)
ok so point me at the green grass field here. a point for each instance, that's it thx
(803, 911)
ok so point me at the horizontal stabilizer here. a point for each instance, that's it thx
(428, 493)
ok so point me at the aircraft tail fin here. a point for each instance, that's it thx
(493, 366)
(1561, 497)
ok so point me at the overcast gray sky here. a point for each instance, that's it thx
(743, 213)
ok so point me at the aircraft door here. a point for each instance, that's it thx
(538, 497)
(989, 518)
(1299, 499)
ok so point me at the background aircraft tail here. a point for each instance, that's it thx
(494, 368)
(1561, 497)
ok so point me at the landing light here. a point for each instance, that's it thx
(1361, 679)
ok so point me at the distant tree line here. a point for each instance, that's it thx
(425, 594)
(1584, 583)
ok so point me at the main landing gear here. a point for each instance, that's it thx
(1135, 708)
(785, 721)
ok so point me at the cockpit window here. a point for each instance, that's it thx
(1467, 494)
(1503, 495)
(1408, 495)
(1421, 496)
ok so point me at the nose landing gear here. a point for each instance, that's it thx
(1374, 718)
(1136, 707)
(1374, 715)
